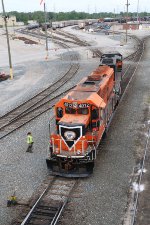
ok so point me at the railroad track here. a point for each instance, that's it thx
(51, 203)
(58, 40)
(40, 103)
(20, 116)
(131, 217)
(135, 57)
(76, 40)
(61, 41)
(44, 101)
(137, 176)
(73, 37)
(34, 107)
(136, 194)
(132, 62)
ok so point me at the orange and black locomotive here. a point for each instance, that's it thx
(82, 117)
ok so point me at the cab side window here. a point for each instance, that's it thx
(59, 112)
(95, 122)
(70, 110)
(94, 114)
(83, 111)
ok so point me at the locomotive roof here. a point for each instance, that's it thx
(89, 87)
(108, 61)
(74, 119)
(95, 80)
(86, 96)
(110, 58)
(111, 54)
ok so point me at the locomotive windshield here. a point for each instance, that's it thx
(69, 110)
(83, 111)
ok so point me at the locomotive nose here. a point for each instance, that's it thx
(74, 120)
(72, 128)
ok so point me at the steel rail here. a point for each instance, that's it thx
(78, 41)
(36, 212)
(37, 202)
(28, 110)
(25, 113)
(73, 37)
(127, 86)
(131, 78)
(142, 164)
(68, 75)
(54, 222)
(5, 119)
(30, 115)
(134, 209)
(35, 100)
(134, 55)
(140, 178)
(50, 86)
(55, 38)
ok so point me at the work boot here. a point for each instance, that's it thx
(30, 151)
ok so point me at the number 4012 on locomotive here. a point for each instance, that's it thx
(82, 117)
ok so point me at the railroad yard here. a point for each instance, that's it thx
(111, 195)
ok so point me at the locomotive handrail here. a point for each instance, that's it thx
(74, 146)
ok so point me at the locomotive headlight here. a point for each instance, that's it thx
(78, 152)
(70, 135)
(56, 151)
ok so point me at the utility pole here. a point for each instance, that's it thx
(13, 26)
(45, 14)
(9, 54)
(138, 12)
(127, 21)
(113, 23)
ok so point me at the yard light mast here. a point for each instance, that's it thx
(45, 15)
(127, 21)
(13, 26)
(113, 22)
(9, 54)
(138, 12)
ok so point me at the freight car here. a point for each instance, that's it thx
(61, 24)
(82, 117)
(33, 26)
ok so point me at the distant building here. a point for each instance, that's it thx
(11, 21)
(31, 22)
(19, 23)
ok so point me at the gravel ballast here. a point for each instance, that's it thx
(24, 172)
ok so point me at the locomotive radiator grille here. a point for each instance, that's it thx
(70, 135)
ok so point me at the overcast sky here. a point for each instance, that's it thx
(89, 6)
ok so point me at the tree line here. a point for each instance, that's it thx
(73, 15)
